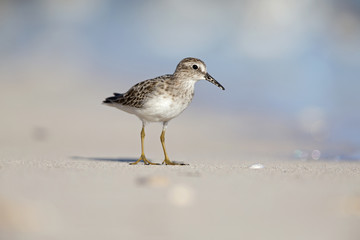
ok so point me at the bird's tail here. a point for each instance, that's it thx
(113, 99)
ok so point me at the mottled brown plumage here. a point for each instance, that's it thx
(163, 98)
(137, 95)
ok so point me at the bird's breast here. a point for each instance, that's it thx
(167, 104)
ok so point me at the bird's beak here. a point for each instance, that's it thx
(209, 78)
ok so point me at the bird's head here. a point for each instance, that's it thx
(195, 69)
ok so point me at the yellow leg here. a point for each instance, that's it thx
(167, 160)
(142, 157)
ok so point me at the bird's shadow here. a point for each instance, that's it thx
(123, 160)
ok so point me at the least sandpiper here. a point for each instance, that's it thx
(162, 98)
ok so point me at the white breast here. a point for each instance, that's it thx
(161, 109)
(164, 107)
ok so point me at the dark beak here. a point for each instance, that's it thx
(213, 81)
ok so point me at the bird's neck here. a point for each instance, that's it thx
(185, 83)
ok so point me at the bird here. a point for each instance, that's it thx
(161, 99)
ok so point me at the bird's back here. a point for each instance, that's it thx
(137, 95)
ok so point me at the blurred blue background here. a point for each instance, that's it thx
(292, 62)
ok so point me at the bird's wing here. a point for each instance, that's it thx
(136, 95)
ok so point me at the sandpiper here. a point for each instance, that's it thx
(162, 98)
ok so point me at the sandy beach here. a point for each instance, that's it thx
(273, 157)
(65, 174)
(91, 198)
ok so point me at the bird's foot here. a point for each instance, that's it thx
(146, 162)
(168, 162)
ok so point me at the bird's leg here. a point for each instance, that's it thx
(142, 157)
(162, 139)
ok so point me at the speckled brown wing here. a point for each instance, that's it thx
(137, 95)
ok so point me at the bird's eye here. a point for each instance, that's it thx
(195, 66)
